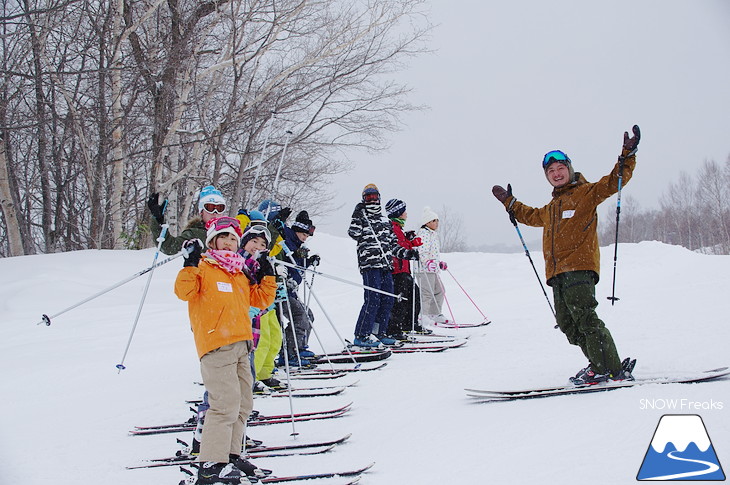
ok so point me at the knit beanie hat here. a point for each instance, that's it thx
(370, 190)
(222, 225)
(428, 216)
(395, 208)
(303, 224)
(255, 230)
(270, 209)
(557, 156)
(210, 195)
(256, 217)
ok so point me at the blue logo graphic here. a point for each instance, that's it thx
(681, 450)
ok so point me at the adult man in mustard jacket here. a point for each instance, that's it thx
(572, 257)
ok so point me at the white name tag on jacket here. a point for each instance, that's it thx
(568, 214)
(225, 287)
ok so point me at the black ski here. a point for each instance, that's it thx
(354, 356)
(259, 420)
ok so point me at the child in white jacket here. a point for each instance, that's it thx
(432, 290)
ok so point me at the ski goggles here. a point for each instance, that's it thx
(258, 230)
(554, 156)
(214, 208)
(220, 223)
(371, 197)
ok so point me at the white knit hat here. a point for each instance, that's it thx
(428, 216)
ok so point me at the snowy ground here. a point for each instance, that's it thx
(67, 409)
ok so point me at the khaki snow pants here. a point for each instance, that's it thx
(227, 377)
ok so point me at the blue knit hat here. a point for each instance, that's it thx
(270, 209)
(395, 208)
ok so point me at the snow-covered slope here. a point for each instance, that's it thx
(67, 409)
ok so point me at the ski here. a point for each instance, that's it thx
(432, 339)
(355, 474)
(310, 388)
(259, 420)
(321, 375)
(338, 368)
(690, 378)
(185, 459)
(431, 345)
(297, 446)
(413, 350)
(354, 356)
(294, 478)
(334, 391)
(456, 326)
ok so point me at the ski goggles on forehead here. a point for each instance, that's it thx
(554, 156)
(225, 222)
(259, 230)
(214, 208)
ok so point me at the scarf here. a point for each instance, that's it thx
(399, 221)
(230, 261)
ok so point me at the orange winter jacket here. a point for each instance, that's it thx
(569, 221)
(218, 303)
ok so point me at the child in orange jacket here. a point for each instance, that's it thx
(219, 293)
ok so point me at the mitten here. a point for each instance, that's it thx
(631, 144)
(443, 265)
(416, 241)
(192, 250)
(431, 265)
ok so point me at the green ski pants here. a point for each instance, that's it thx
(574, 294)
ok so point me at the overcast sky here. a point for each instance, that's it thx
(512, 80)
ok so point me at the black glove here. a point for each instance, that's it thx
(284, 214)
(359, 208)
(413, 254)
(265, 265)
(313, 260)
(631, 144)
(155, 208)
(410, 235)
(193, 248)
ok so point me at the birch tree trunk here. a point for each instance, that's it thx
(15, 240)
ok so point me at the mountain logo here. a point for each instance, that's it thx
(681, 450)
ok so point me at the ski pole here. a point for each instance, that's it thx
(285, 348)
(47, 319)
(290, 255)
(467, 294)
(160, 240)
(281, 162)
(527, 253)
(341, 280)
(621, 160)
(261, 160)
(613, 296)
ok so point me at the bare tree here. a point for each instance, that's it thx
(135, 96)
(451, 227)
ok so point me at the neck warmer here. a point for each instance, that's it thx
(230, 261)
(373, 208)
